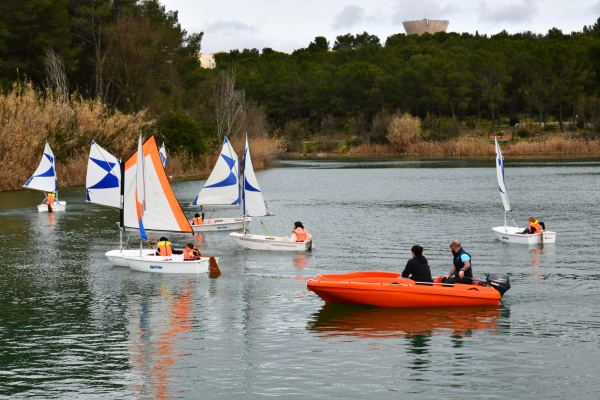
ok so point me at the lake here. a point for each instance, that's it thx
(73, 326)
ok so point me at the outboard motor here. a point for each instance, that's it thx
(498, 281)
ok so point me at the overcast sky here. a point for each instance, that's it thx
(289, 25)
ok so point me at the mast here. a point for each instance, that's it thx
(121, 212)
(243, 189)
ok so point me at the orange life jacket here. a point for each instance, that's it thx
(189, 254)
(300, 234)
(164, 248)
(536, 225)
(198, 221)
(50, 200)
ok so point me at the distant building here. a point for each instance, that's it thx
(425, 25)
(207, 60)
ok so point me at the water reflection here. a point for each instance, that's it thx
(199, 241)
(415, 323)
(300, 260)
(160, 326)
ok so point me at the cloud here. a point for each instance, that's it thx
(515, 12)
(415, 10)
(231, 26)
(350, 16)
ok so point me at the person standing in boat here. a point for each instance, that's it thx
(49, 200)
(534, 227)
(417, 268)
(462, 265)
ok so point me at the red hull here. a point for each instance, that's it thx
(385, 289)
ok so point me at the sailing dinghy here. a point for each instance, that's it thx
(222, 189)
(44, 179)
(510, 234)
(255, 206)
(149, 204)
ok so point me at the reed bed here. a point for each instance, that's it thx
(555, 146)
(479, 147)
(29, 118)
(372, 150)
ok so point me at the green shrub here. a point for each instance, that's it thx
(182, 132)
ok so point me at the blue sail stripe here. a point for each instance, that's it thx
(105, 165)
(47, 174)
(249, 187)
(108, 182)
(229, 181)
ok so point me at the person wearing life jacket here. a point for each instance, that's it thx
(462, 265)
(165, 249)
(190, 253)
(534, 227)
(198, 220)
(49, 200)
(299, 234)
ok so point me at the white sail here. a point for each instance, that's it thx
(163, 156)
(222, 186)
(254, 204)
(44, 177)
(102, 181)
(500, 173)
(155, 201)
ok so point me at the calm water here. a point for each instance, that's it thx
(73, 326)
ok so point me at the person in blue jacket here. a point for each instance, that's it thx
(462, 265)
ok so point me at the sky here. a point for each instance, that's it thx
(289, 25)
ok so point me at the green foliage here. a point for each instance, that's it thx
(184, 133)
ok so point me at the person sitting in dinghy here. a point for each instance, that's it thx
(190, 253)
(417, 268)
(462, 265)
(49, 200)
(299, 234)
(165, 249)
(534, 227)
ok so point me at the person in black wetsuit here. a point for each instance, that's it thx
(417, 268)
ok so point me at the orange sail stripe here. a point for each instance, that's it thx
(151, 150)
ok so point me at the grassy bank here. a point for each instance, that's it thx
(480, 147)
(29, 118)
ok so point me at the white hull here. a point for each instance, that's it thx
(117, 258)
(168, 265)
(273, 243)
(58, 206)
(221, 224)
(510, 235)
(151, 263)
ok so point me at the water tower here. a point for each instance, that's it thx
(425, 25)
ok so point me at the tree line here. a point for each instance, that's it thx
(525, 75)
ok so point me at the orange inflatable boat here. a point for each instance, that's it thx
(387, 289)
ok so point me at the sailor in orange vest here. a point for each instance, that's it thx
(190, 253)
(49, 200)
(299, 234)
(165, 249)
(198, 220)
(534, 227)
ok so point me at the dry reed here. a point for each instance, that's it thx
(372, 150)
(28, 119)
(554, 146)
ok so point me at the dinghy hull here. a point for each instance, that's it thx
(269, 243)
(221, 224)
(385, 289)
(58, 206)
(510, 235)
(117, 257)
(168, 265)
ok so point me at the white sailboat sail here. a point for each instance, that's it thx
(163, 156)
(149, 199)
(102, 182)
(44, 177)
(222, 186)
(500, 174)
(254, 204)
